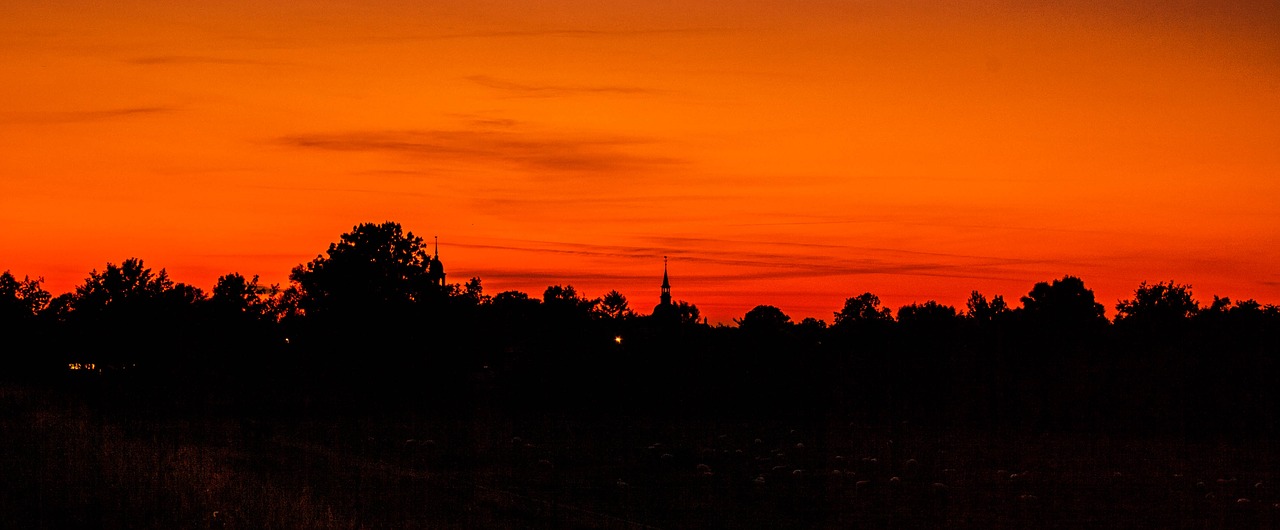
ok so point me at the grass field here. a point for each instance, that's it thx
(68, 463)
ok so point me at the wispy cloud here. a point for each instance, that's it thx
(544, 91)
(502, 123)
(688, 241)
(581, 199)
(734, 263)
(79, 116)
(156, 60)
(543, 154)
(396, 192)
(558, 277)
(915, 220)
(576, 33)
(553, 247)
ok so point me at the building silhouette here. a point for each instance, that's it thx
(435, 269)
(665, 310)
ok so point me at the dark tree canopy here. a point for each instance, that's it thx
(981, 310)
(128, 284)
(764, 319)
(687, 313)
(373, 265)
(21, 298)
(614, 305)
(370, 323)
(513, 298)
(862, 308)
(565, 299)
(234, 293)
(1162, 303)
(1066, 302)
(473, 293)
(928, 313)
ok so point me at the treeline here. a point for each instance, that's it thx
(371, 323)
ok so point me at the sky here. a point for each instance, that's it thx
(785, 153)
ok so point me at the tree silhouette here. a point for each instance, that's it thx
(374, 266)
(21, 329)
(614, 305)
(513, 298)
(930, 313)
(1159, 304)
(473, 293)
(511, 318)
(233, 293)
(764, 319)
(563, 301)
(131, 316)
(1065, 302)
(687, 313)
(21, 299)
(368, 323)
(130, 283)
(862, 308)
(980, 310)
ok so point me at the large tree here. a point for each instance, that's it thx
(979, 309)
(614, 306)
(687, 313)
(374, 266)
(130, 284)
(234, 293)
(765, 319)
(862, 308)
(21, 331)
(130, 315)
(1159, 304)
(1063, 303)
(23, 298)
(930, 313)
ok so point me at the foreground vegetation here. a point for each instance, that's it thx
(102, 464)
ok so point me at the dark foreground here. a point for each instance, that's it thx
(70, 463)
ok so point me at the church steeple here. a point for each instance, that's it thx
(666, 284)
(665, 311)
(435, 269)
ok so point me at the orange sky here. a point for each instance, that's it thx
(783, 155)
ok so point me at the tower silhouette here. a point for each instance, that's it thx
(665, 310)
(435, 269)
(666, 284)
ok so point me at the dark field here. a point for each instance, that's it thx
(70, 463)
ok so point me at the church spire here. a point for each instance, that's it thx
(666, 284)
(435, 269)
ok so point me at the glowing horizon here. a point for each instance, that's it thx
(779, 154)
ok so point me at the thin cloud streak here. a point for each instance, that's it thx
(508, 275)
(159, 60)
(527, 90)
(578, 33)
(899, 221)
(564, 154)
(83, 116)
(525, 205)
(341, 190)
(685, 240)
(762, 265)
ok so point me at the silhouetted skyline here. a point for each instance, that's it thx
(127, 397)
(780, 153)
